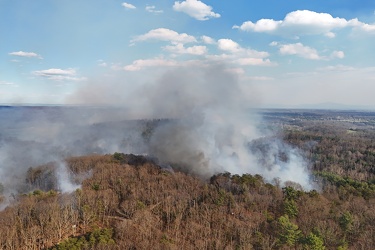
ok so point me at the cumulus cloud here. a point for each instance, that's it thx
(304, 22)
(263, 25)
(196, 9)
(152, 9)
(59, 74)
(311, 18)
(208, 40)
(234, 53)
(128, 6)
(300, 50)
(231, 46)
(180, 49)
(367, 27)
(145, 63)
(25, 54)
(163, 34)
(306, 52)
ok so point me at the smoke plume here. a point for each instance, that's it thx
(208, 125)
(213, 124)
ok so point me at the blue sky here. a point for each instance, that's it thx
(288, 52)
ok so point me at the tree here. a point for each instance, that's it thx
(290, 208)
(346, 221)
(289, 233)
(314, 242)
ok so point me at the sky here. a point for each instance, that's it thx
(286, 53)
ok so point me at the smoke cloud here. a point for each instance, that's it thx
(64, 179)
(213, 124)
(208, 126)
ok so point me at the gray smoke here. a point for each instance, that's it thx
(64, 179)
(34, 136)
(212, 123)
(209, 126)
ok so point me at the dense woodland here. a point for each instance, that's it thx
(130, 202)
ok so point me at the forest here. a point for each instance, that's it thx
(131, 202)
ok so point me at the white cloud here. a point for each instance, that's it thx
(240, 56)
(337, 54)
(163, 34)
(307, 52)
(140, 64)
(180, 49)
(274, 43)
(367, 27)
(196, 9)
(262, 25)
(304, 22)
(152, 9)
(59, 74)
(330, 34)
(314, 19)
(49, 72)
(128, 6)
(229, 45)
(221, 57)
(208, 40)
(254, 61)
(25, 54)
(300, 50)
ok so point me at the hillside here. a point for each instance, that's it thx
(128, 202)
